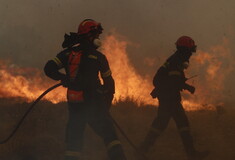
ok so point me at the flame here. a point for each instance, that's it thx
(128, 82)
(213, 67)
(26, 83)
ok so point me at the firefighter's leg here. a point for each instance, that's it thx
(158, 126)
(184, 130)
(74, 131)
(182, 123)
(102, 124)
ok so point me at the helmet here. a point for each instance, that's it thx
(185, 41)
(89, 25)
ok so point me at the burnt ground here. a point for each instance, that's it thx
(41, 137)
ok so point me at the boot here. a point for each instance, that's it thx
(192, 153)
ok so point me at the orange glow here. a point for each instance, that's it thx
(26, 83)
(212, 67)
(128, 82)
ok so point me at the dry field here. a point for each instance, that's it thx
(41, 137)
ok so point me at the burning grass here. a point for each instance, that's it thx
(41, 136)
(213, 67)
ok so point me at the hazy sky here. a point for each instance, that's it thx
(31, 32)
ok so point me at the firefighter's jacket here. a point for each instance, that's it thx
(82, 65)
(170, 79)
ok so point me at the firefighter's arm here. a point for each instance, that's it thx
(109, 87)
(106, 75)
(51, 69)
(186, 86)
(109, 84)
(53, 66)
(179, 80)
(190, 88)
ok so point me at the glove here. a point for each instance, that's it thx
(65, 81)
(154, 93)
(191, 89)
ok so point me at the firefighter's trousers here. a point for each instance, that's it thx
(166, 111)
(97, 116)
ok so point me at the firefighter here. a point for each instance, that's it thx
(169, 81)
(88, 99)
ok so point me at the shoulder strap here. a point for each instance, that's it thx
(74, 63)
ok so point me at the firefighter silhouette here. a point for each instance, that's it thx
(169, 81)
(88, 100)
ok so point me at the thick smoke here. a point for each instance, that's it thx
(31, 32)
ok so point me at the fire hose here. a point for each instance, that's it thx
(129, 141)
(28, 111)
(40, 97)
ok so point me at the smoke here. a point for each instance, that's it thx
(214, 68)
(31, 32)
